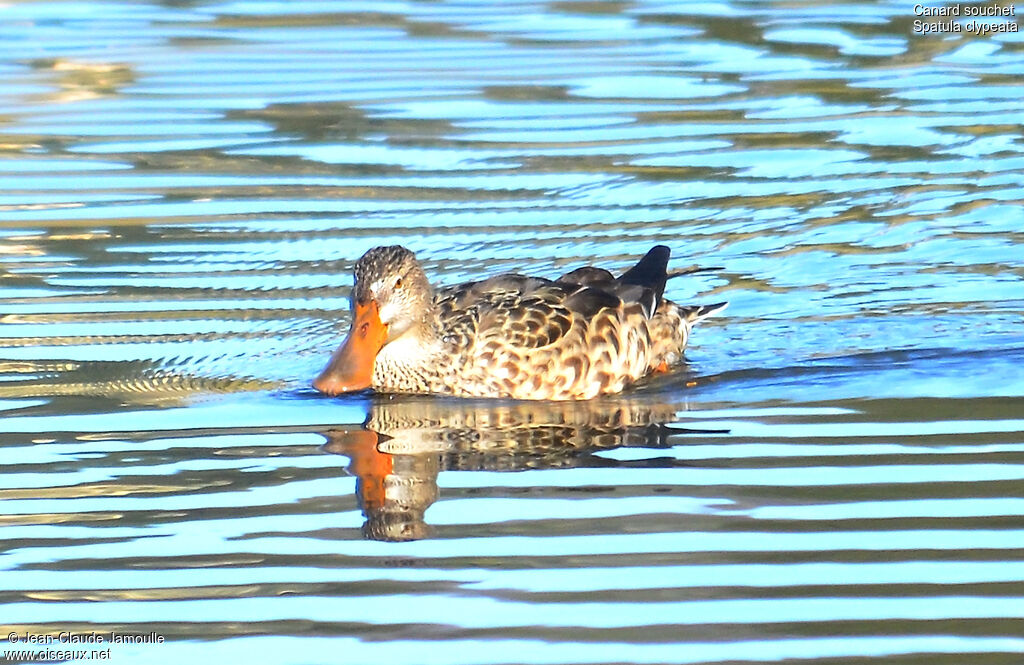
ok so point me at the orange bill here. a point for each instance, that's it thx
(351, 366)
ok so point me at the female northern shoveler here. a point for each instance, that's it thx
(585, 334)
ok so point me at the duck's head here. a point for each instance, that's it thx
(391, 297)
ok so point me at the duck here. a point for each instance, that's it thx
(584, 334)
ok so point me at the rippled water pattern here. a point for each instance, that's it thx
(837, 476)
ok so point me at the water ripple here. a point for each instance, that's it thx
(835, 474)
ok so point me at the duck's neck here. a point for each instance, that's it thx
(410, 361)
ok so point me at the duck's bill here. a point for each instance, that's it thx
(351, 366)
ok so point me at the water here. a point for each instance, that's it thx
(836, 476)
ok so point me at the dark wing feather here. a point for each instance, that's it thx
(643, 284)
(650, 272)
(587, 301)
(588, 276)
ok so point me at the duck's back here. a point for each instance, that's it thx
(529, 338)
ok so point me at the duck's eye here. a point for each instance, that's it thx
(398, 283)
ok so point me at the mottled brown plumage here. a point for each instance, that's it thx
(582, 335)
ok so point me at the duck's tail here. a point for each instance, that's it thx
(695, 313)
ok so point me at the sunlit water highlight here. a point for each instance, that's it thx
(837, 474)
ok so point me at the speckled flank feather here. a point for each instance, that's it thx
(583, 335)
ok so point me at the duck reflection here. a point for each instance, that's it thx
(405, 442)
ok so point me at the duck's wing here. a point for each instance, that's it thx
(530, 313)
(519, 312)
